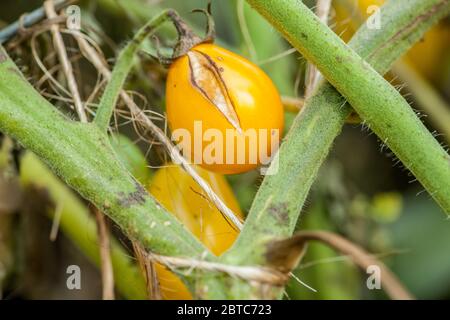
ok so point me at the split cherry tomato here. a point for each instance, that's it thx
(232, 99)
(173, 188)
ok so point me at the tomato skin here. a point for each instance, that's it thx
(174, 189)
(256, 100)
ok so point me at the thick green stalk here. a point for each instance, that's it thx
(382, 108)
(80, 227)
(281, 197)
(122, 69)
(310, 138)
(82, 156)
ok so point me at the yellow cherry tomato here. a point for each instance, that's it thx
(207, 78)
(173, 188)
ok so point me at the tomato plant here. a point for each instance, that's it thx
(204, 252)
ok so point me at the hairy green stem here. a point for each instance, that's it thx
(278, 203)
(122, 69)
(82, 156)
(382, 108)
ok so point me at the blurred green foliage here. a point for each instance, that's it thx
(422, 234)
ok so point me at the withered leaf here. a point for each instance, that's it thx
(206, 78)
(285, 254)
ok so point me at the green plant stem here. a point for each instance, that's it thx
(278, 203)
(382, 108)
(80, 227)
(82, 156)
(122, 69)
(321, 120)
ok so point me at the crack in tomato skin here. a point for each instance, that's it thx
(205, 76)
(245, 102)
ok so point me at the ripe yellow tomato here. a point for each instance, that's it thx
(173, 188)
(227, 96)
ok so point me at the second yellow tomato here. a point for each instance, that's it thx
(181, 196)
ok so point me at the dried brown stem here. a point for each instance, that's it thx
(285, 253)
(66, 65)
(105, 257)
(257, 274)
(148, 268)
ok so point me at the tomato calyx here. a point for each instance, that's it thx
(205, 74)
(187, 39)
(210, 34)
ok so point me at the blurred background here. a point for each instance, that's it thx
(362, 191)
